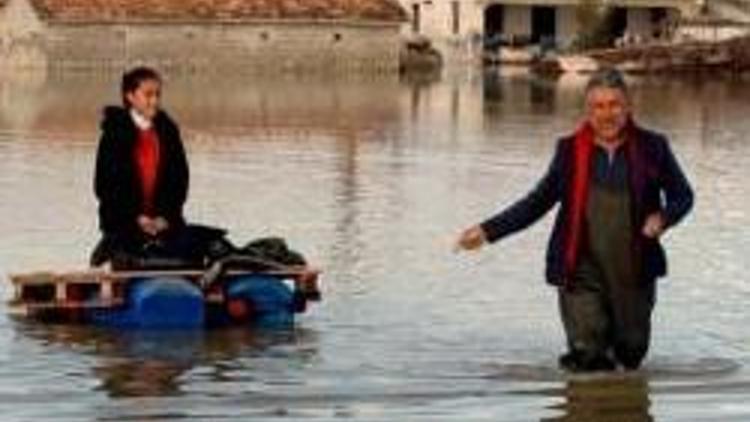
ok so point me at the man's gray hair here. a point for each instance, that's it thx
(607, 77)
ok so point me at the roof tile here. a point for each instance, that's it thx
(161, 10)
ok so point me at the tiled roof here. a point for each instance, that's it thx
(170, 10)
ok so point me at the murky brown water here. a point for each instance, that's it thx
(373, 178)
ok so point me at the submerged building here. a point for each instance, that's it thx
(246, 34)
(460, 27)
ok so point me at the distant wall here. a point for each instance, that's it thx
(264, 46)
(247, 46)
(712, 31)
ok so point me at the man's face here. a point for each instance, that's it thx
(607, 110)
(145, 98)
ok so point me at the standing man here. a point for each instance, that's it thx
(620, 188)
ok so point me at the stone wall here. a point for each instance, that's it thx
(254, 47)
(26, 41)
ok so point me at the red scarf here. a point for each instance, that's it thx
(578, 191)
(147, 162)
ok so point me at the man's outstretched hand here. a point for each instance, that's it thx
(471, 239)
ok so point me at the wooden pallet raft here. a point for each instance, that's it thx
(43, 292)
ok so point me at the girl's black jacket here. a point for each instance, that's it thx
(117, 182)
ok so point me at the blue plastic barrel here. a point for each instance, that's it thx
(270, 298)
(163, 302)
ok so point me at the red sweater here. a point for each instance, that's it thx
(147, 163)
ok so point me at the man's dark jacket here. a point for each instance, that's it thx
(117, 182)
(656, 182)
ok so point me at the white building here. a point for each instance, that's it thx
(458, 27)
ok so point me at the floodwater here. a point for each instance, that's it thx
(373, 178)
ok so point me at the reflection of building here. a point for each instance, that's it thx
(273, 34)
(462, 25)
(229, 106)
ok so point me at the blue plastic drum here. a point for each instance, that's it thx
(157, 303)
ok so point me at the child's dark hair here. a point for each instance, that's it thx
(133, 78)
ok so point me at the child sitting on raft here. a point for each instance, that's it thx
(141, 182)
(141, 177)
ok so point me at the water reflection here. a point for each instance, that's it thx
(493, 93)
(348, 220)
(141, 378)
(610, 399)
(156, 363)
(71, 102)
(542, 96)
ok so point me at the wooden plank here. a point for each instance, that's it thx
(305, 279)
(97, 276)
(105, 292)
(60, 291)
(18, 310)
(88, 305)
(216, 297)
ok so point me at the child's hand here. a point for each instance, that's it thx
(147, 225)
(152, 226)
(161, 224)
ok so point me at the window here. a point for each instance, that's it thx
(416, 18)
(456, 17)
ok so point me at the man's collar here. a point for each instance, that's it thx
(600, 142)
